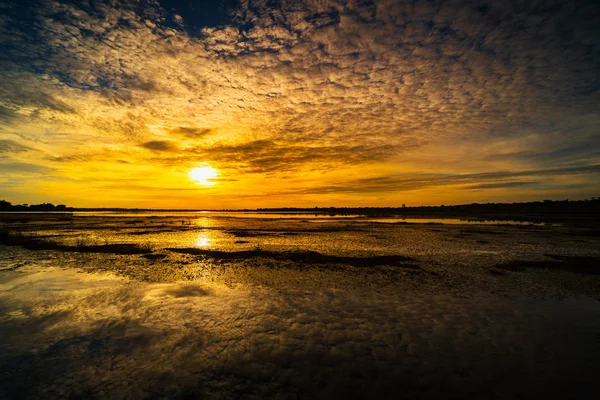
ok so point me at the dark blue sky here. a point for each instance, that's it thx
(198, 13)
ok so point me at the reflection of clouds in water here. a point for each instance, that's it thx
(212, 340)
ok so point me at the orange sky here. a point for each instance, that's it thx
(314, 103)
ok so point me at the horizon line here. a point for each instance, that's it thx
(295, 208)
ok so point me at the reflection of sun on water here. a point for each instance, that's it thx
(203, 175)
(202, 241)
(204, 222)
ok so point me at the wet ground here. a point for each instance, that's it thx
(296, 307)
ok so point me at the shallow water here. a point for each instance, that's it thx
(451, 323)
(95, 335)
(336, 236)
(313, 217)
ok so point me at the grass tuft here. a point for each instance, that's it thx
(147, 247)
(82, 241)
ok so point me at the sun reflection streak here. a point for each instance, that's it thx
(203, 241)
(204, 222)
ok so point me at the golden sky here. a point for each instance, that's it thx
(301, 103)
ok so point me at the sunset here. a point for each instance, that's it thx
(299, 199)
(298, 103)
(203, 175)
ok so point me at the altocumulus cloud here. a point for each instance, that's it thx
(158, 145)
(467, 87)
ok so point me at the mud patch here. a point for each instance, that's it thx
(576, 264)
(33, 243)
(307, 257)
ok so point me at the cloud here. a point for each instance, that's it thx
(72, 158)
(6, 114)
(190, 132)
(268, 156)
(158, 145)
(320, 86)
(18, 168)
(10, 146)
(499, 185)
(395, 183)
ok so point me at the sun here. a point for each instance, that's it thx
(203, 175)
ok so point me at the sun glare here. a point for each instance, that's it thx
(203, 241)
(203, 175)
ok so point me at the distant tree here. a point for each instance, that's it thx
(5, 205)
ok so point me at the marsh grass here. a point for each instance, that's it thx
(146, 246)
(257, 248)
(82, 244)
(82, 241)
(18, 238)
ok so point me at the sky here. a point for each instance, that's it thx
(107, 103)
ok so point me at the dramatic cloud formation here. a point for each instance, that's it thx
(316, 102)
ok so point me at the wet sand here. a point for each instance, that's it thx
(462, 312)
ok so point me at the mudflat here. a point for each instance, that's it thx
(222, 306)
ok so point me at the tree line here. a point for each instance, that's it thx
(546, 207)
(7, 206)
